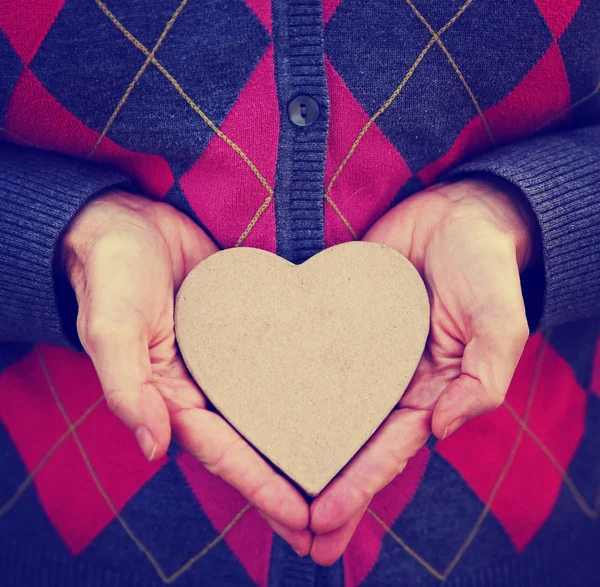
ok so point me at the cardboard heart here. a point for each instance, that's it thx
(305, 361)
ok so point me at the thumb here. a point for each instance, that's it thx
(488, 364)
(120, 355)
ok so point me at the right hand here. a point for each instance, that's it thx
(126, 257)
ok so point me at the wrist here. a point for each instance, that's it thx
(509, 212)
(77, 240)
(521, 221)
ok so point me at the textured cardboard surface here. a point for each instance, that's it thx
(304, 361)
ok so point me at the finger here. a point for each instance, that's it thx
(327, 548)
(194, 244)
(428, 382)
(378, 462)
(489, 362)
(299, 540)
(226, 454)
(177, 388)
(197, 246)
(120, 356)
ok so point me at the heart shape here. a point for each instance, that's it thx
(305, 361)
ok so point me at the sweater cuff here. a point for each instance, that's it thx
(560, 177)
(40, 193)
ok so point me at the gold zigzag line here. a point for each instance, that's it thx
(459, 73)
(509, 462)
(587, 510)
(548, 122)
(393, 96)
(444, 576)
(167, 579)
(137, 77)
(200, 113)
(151, 58)
(407, 548)
(32, 475)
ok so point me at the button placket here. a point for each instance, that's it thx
(304, 123)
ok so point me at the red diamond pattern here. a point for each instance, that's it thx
(373, 175)
(221, 502)
(74, 503)
(220, 186)
(481, 448)
(544, 91)
(25, 25)
(39, 119)
(558, 14)
(364, 547)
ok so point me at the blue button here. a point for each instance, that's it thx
(303, 110)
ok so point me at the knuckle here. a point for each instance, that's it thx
(397, 462)
(495, 401)
(494, 397)
(100, 329)
(363, 493)
(96, 329)
(218, 464)
(116, 401)
(519, 329)
(254, 494)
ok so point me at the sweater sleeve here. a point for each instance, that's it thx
(559, 175)
(40, 192)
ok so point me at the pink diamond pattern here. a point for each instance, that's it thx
(373, 175)
(220, 186)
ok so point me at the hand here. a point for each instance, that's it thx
(126, 257)
(468, 240)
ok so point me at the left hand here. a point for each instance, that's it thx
(126, 257)
(469, 240)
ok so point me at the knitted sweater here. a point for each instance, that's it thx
(196, 102)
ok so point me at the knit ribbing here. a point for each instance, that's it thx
(300, 70)
(560, 177)
(39, 195)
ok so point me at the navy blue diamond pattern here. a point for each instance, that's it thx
(434, 106)
(9, 73)
(147, 121)
(409, 124)
(580, 356)
(211, 51)
(144, 19)
(514, 37)
(437, 521)
(583, 69)
(156, 117)
(173, 529)
(372, 57)
(89, 83)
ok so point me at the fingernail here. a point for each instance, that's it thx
(452, 428)
(146, 442)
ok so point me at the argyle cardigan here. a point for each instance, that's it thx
(187, 101)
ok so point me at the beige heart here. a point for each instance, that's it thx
(305, 361)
